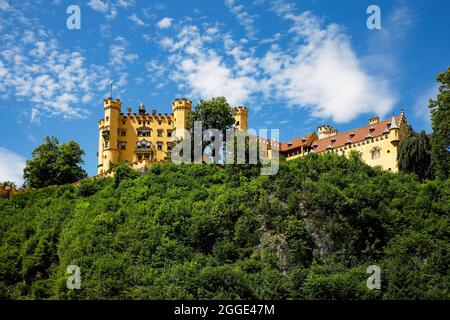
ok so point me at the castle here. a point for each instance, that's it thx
(144, 138)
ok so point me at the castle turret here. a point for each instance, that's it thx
(324, 131)
(181, 109)
(241, 118)
(108, 134)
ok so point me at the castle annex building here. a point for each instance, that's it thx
(375, 142)
(143, 138)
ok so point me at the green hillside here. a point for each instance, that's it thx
(199, 231)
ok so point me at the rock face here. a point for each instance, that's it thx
(320, 237)
(278, 243)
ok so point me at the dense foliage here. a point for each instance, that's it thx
(199, 231)
(440, 119)
(54, 164)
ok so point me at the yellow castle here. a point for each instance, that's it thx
(143, 138)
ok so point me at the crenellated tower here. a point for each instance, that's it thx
(108, 135)
(241, 118)
(181, 109)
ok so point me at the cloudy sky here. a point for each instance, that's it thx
(294, 64)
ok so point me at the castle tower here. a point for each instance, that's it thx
(241, 118)
(181, 109)
(108, 135)
(324, 131)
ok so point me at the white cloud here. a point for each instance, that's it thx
(4, 5)
(34, 115)
(138, 21)
(203, 71)
(119, 58)
(110, 8)
(36, 70)
(244, 18)
(321, 72)
(164, 23)
(11, 166)
(98, 5)
(421, 106)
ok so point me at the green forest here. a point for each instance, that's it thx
(226, 232)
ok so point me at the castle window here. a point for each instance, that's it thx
(123, 145)
(144, 132)
(160, 145)
(123, 133)
(107, 118)
(237, 123)
(389, 151)
(375, 152)
(169, 133)
(159, 122)
(160, 133)
(143, 144)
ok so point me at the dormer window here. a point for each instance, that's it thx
(289, 144)
(352, 135)
(372, 129)
(333, 140)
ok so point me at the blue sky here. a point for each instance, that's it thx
(295, 65)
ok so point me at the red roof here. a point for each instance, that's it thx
(357, 135)
(295, 143)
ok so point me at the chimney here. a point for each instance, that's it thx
(141, 109)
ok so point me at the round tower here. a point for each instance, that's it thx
(181, 109)
(323, 131)
(241, 118)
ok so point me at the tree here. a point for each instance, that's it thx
(54, 164)
(414, 155)
(214, 114)
(440, 119)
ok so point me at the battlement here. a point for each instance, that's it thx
(181, 104)
(241, 110)
(110, 102)
(324, 128)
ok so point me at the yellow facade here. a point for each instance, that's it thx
(143, 138)
(376, 143)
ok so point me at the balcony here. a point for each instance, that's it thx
(143, 146)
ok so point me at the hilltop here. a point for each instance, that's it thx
(213, 232)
